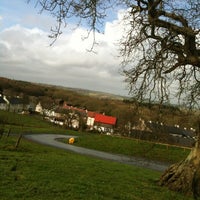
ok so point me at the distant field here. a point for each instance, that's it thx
(38, 172)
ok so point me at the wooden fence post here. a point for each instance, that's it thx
(9, 130)
(18, 141)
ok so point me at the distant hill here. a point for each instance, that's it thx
(91, 93)
(50, 95)
(5, 82)
(125, 109)
(98, 94)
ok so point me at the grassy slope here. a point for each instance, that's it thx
(131, 147)
(38, 172)
(27, 123)
(35, 124)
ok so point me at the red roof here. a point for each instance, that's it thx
(100, 118)
(91, 114)
(104, 119)
(65, 106)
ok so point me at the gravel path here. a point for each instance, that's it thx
(50, 140)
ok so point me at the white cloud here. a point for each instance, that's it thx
(25, 54)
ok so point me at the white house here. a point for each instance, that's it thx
(3, 103)
(38, 108)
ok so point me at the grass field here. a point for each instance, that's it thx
(27, 124)
(38, 172)
(131, 147)
(33, 171)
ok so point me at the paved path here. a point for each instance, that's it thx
(50, 139)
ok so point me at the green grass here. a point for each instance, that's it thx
(27, 124)
(132, 147)
(22, 120)
(33, 171)
(34, 124)
(38, 172)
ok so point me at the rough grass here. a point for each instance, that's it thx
(18, 123)
(131, 147)
(38, 172)
(33, 171)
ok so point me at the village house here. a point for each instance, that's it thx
(16, 104)
(94, 121)
(90, 120)
(3, 103)
(38, 108)
(12, 104)
(101, 122)
(74, 117)
(55, 116)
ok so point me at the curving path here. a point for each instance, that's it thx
(50, 140)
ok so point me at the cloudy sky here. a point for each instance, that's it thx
(26, 54)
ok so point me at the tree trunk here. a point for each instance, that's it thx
(184, 176)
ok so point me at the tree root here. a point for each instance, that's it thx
(179, 177)
(184, 176)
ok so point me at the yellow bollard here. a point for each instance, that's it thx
(71, 140)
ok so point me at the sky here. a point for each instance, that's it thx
(26, 53)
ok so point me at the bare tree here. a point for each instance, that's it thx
(165, 36)
(88, 12)
(161, 50)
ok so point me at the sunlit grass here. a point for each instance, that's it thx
(22, 124)
(33, 171)
(132, 147)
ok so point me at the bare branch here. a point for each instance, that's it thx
(161, 44)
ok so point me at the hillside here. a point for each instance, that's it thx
(127, 112)
(90, 93)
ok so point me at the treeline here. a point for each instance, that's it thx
(126, 111)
